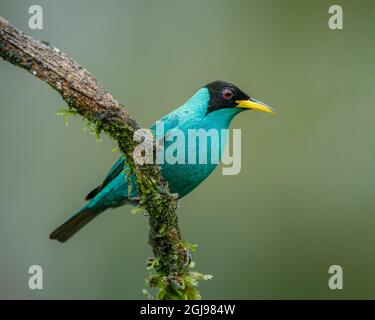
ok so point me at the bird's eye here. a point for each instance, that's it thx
(227, 93)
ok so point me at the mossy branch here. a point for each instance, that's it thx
(88, 98)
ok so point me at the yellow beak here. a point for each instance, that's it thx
(254, 105)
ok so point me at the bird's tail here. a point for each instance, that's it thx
(74, 224)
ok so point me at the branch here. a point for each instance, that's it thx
(83, 93)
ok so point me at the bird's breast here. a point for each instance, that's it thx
(190, 158)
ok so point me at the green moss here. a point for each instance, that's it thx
(92, 126)
(136, 210)
(180, 285)
(67, 113)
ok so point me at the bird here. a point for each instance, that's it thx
(213, 106)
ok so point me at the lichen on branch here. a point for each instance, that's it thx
(171, 267)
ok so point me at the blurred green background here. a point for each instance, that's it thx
(304, 199)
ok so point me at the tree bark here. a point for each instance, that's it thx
(84, 94)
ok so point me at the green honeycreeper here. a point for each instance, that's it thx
(211, 107)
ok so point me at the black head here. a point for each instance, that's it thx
(226, 95)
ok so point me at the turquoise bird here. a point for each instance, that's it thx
(211, 107)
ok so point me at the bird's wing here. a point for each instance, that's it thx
(170, 121)
(117, 168)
